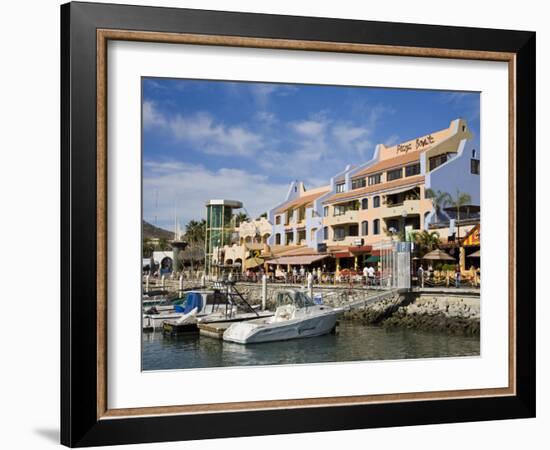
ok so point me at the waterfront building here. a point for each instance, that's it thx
(247, 248)
(220, 227)
(383, 197)
(255, 231)
(298, 219)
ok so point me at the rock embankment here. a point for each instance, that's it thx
(443, 313)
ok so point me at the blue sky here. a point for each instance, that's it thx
(248, 141)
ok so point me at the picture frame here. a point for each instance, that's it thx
(86, 419)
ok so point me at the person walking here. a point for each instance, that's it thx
(420, 275)
(370, 272)
(366, 275)
(457, 276)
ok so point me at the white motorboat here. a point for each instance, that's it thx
(156, 321)
(296, 316)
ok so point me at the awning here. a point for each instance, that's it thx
(304, 260)
(373, 259)
(476, 254)
(438, 255)
(343, 255)
(251, 263)
(361, 249)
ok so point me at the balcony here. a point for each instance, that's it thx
(408, 206)
(347, 217)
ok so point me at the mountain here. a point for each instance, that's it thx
(150, 231)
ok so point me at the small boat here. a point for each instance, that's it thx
(187, 323)
(222, 304)
(182, 311)
(296, 316)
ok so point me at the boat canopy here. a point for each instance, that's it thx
(293, 297)
(192, 300)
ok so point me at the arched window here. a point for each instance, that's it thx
(365, 203)
(376, 202)
(278, 239)
(364, 228)
(376, 226)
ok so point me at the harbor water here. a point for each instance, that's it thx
(353, 342)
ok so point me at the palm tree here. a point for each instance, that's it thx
(458, 202)
(163, 244)
(195, 235)
(239, 218)
(426, 241)
(440, 199)
(195, 231)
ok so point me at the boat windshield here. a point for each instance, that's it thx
(296, 298)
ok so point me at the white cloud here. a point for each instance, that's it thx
(189, 186)
(309, 128)
(455, 97)
(346, 134)
(262, 92)
(392, 140)
(151, 117)
(203, 132)
(266, 117)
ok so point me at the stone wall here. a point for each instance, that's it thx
(443, 312)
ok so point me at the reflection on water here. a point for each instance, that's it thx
(354, 342)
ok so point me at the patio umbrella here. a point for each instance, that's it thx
(253, 262)
(438, 255)
(475, 254)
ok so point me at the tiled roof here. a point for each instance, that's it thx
(300, 201)
(389, 164)
(357, 193)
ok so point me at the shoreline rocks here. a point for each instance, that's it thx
(427, 312)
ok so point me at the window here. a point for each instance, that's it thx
(277, 220)
(339, 210)
(364, 228)
(394, 174)
(312, 234)
(358, 183)
(301, 213)
(365, 203)
(412, 170)
(339, 234)
(325, 211)
(474, 166)
(325, 233)
(436, 161)
(375, 179)
(340, 187)
(376, 202)
(376, 226)
(278, 239)
(353, 230)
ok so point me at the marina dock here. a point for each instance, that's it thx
(214, 329)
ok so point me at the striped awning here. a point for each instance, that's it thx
(303, 260)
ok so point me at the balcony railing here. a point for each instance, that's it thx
(408, 206)
(348, 216)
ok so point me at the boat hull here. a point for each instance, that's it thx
(257, 331)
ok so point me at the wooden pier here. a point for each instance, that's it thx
(214, 329)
